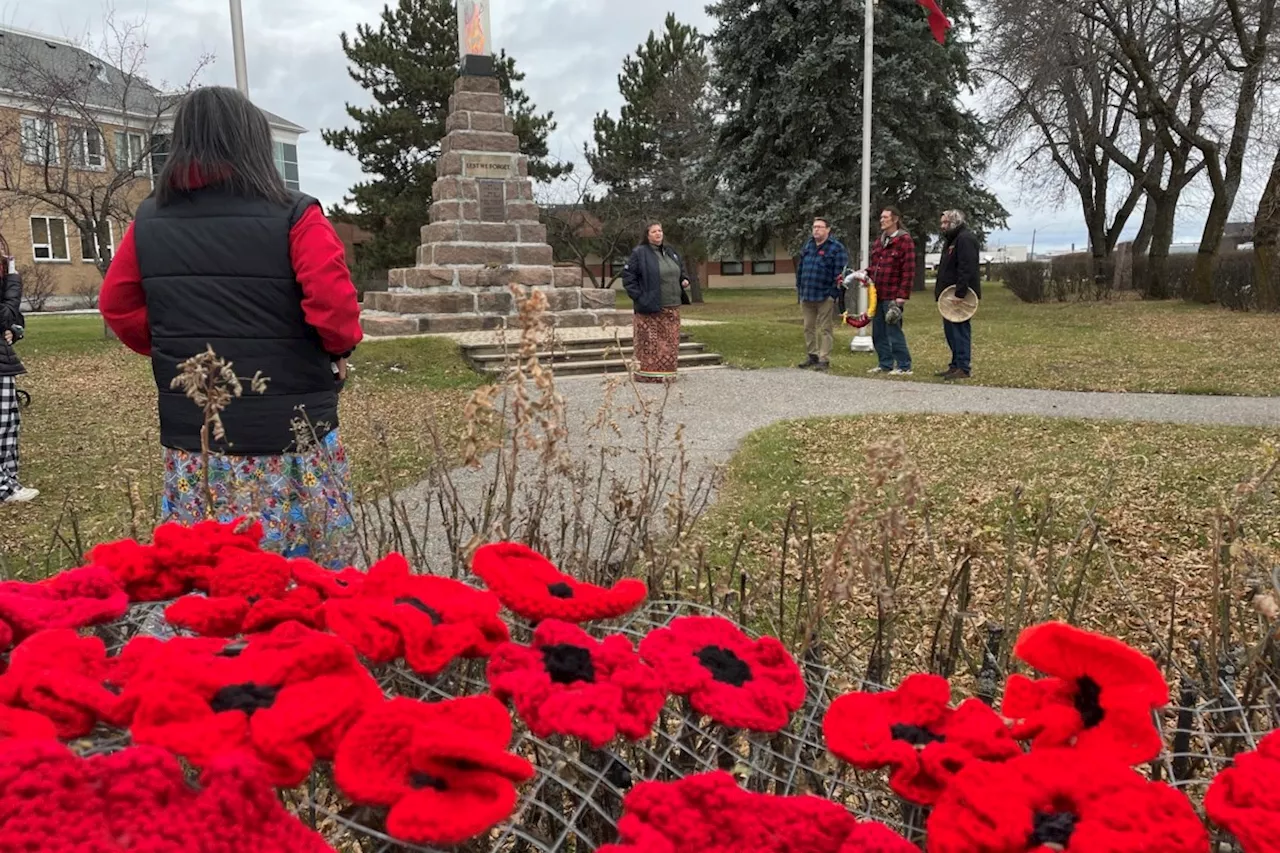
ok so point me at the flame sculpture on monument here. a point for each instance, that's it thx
(473, 38)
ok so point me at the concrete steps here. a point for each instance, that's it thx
(596, 355)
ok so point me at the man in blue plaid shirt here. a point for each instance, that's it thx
(818, 273)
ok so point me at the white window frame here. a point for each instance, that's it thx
(78, 148)
(278, 154)
(49, 245)
(124, 158)
(31, 139)
(85, 232)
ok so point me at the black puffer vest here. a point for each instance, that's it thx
(10, 316)
(216, 272)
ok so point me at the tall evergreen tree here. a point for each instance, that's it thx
(787, 75)
(409, 65)
(651, 158)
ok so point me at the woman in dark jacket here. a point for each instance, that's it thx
(11, 491)
(656, 280)
(224, 256)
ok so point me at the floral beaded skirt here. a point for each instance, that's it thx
(302, 499)
(657, 344)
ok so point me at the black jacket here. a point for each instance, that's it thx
(10, 316)
(959, 265)
(216, 271)
(643, 280)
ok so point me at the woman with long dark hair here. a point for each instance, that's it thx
(223, 256)
(656, 280)
(11, 491)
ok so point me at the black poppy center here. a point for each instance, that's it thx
(914, 735)
(231, 650)
(248, 697)
(418, 604)
(567, 663)
(1087, 695)
(560, 590)
(724, 665)
(419, 780)
(1052, 828)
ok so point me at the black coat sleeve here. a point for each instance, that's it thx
(11, 302)
(966, 264)
(631, 275)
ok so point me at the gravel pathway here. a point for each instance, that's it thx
(717, 408)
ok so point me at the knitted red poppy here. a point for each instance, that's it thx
(288, 699)
(26, 725)
(138, 799)
(428, 620)
(61, 675)
(530, 586)
(1100, 696)
(72, 599)
(1244, 799)
(301, 605)
(442, 768)
(1063, 800)
(572, 684)
(737, 681)
(328, 583)
(138, 569)
(247, 593)
(192, 552)
(914, 731)
(710, 813)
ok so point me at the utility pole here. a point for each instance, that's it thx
(237, 48)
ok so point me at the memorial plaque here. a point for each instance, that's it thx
(493, 201)
(496, 166)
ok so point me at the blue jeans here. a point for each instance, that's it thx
(960, 339)
(890, 341)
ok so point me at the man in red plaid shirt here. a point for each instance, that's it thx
(893, 271)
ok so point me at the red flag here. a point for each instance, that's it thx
(937, 21)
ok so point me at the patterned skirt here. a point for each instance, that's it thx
(657, 343)
(302, 499)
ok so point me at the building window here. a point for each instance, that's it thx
(86, 149)
(731, 268)
(89, 243)
(287, 162)
(763, 267)
(49, 238)
(615, 268)
(39, 141)
(159, 153)
(130, 153)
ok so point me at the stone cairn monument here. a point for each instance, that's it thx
(484, 233)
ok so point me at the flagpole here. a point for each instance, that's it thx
(237, 48)
(862, 340)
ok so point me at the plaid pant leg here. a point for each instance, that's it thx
(10, 420)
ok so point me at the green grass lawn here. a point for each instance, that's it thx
(90, 437)
(1082, 346)
(1155, 489)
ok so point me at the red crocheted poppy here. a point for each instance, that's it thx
(247, 593)
(1062, 800)
(1244, 799)
(192, 552)
(301, 605)
(710, 813)
(328, 583)
(25, 725)
(737, 681)
(914, 731)
(530, 586)
(62, 676)
(73, 599)
(1100, 696)
(137, 567)
(428, 620)
(288, 699)
(442, 768)
(55, 802)
(569, 683)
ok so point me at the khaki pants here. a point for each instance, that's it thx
(819, 327)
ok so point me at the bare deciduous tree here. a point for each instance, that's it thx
(584, 221)
(90, 124)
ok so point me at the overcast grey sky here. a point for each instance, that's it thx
(570, 50)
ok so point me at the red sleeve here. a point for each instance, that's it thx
(329, 300)
(122, 302)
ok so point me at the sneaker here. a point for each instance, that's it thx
(877, 369)
(897, 371)
(22, 496)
